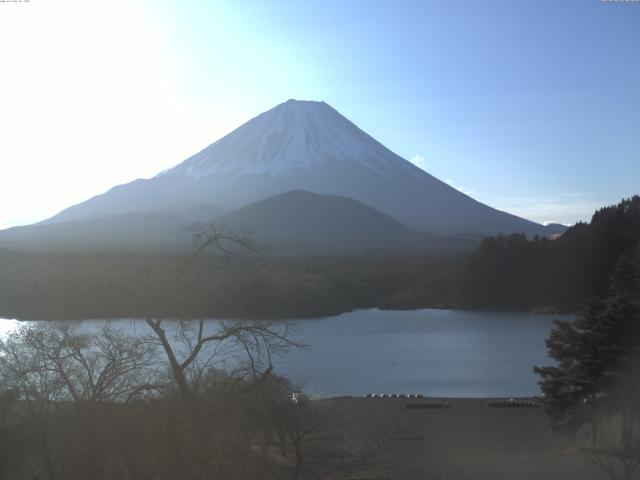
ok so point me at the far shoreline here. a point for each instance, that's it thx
(547, 311)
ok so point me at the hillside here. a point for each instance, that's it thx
(300, 221)
(292, 223)
(516, 273)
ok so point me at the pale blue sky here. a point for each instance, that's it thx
(530, 106)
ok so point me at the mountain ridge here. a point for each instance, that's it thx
(292, 223)
(304, 145)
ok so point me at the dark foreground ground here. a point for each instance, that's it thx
(466, 441)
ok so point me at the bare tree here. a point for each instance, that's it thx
(362, 452)
(64, 381)
(615, 448)
(206, 433)
(306, 427)
(56, 361)
(76, 390)
(191, 348)
(213, 238)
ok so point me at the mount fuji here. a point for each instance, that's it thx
(297, 145)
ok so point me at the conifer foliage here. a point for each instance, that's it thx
(595, 384)
(516, 272)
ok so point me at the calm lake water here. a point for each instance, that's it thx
(440, 353)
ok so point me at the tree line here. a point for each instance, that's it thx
(503, 272)
(593, 390)
(108, 285)
(514, 272)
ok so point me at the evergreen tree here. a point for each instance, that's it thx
(597, 355)
(515, 273)
(594, 389)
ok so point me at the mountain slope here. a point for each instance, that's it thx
(125, 232)
(291, 223)
(304, 222)
(301, 214)
(310, 146)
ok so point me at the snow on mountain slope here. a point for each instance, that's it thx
(293, 137)
(305, 145)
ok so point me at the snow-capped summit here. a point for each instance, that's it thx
(304, 145)
(291, 137)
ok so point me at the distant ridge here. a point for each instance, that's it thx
(301, 214)
(304, 222)
(129, 232)
(291, 223)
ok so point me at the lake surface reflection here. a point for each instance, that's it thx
(442, 353)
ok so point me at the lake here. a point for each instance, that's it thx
(440, 353)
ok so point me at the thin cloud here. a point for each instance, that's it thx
(550, 222)
(460, 189)
(419, 161)
(466, 192)
(567, 208)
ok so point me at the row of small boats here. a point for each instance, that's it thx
(429, 404)
(394, 395)
(512, 402)
(505, 402)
